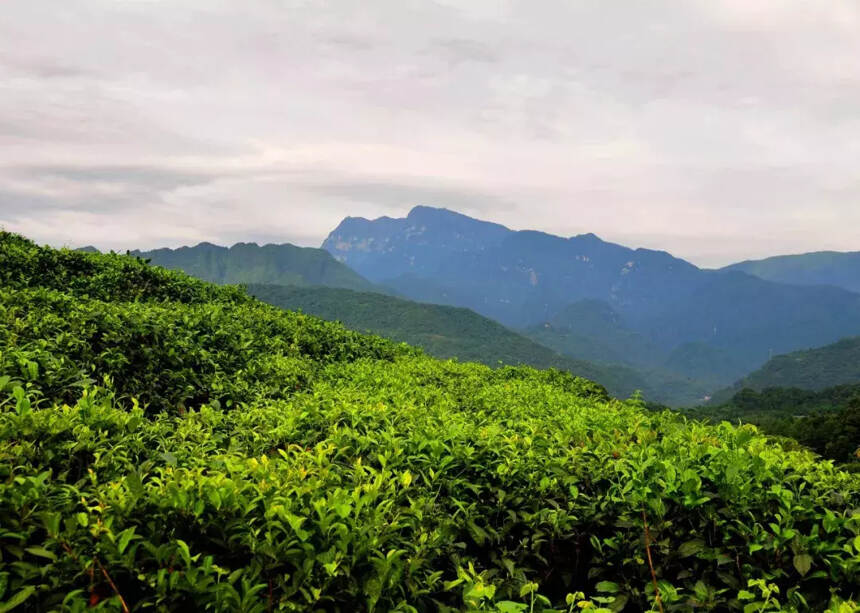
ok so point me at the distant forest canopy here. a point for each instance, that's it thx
(827, 421)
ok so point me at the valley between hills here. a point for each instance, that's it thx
(631, 319)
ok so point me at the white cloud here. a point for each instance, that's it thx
(716, 129)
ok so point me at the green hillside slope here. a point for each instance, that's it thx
(813, 369)
(168, 444)
(443, 331)
(451, 332)
(252, 263)
(591, 330)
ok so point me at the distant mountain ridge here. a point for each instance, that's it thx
(251, 263)
(840, 269)
(418, 243)
(512, 276)
(524, 279)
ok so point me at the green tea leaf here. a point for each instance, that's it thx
(803, 562)
(17, 599)
(125, 538)
(608, 587)
(691, 548)
(42, 553)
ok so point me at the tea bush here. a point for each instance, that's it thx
(170, 445)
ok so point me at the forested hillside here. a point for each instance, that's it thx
(451, 332)
(170, 444)
(442, 331)
(592, 330)
(811, 369)
(251, 263)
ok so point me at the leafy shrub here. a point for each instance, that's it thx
(827, 421)
(191, 454)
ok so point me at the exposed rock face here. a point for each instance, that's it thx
(385, 248)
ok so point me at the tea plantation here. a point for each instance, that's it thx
(166, 444)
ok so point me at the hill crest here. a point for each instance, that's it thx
(249, 262)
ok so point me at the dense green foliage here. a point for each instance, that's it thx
(841, 269)
(779, 402)
(812, 369)
(834, 435)
(173, 445)
(252, 263)
(827, 421)
(451, 332)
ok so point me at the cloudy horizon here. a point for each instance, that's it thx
(717, 130)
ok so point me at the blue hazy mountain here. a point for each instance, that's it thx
(692, 317)
(841, 269)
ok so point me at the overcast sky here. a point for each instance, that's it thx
(715, 129)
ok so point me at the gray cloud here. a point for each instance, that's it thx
(394, 195)
(39, 67)
(462, 50)
(149, 176)
(716, 129)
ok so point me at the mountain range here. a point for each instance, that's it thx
(475, 290)
(313, 281)
(651, 305)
